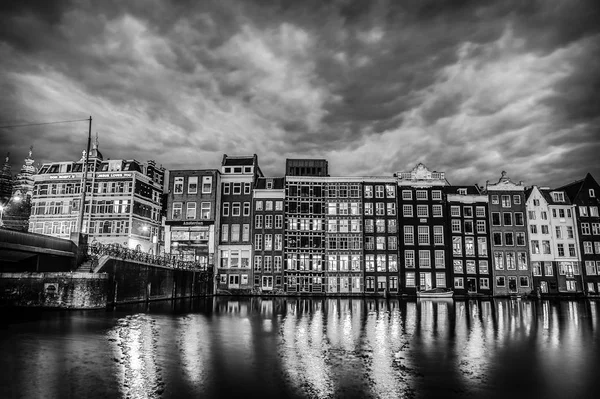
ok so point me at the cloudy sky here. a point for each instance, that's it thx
(466, 87)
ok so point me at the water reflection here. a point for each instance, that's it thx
(321, 348)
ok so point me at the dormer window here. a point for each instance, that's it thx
(592, 193)
(247, 169)
(462, 191)
(269, 184)
(237, 169)
(227, 170)
(558, 196)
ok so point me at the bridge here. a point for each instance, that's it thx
(21, 251)
(43, 271)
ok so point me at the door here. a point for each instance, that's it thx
(512, 284)
(472, 285)
(544, 287)
(234, 281)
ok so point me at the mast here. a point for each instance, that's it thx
(84, 180)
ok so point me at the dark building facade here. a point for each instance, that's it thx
(508, 230)
(468, 237)
(192, 214)
(422, 230)
(380, 226)
(584, 195)
(307, 167)
(238, 177)
(268, 233)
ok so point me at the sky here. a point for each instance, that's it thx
(470, 88)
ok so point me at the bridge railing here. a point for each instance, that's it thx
(95, 250)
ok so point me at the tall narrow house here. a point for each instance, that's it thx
(238, 177)
(268, 232)
(421, 201)
(509, 237)
(584, 195)
(468, 239)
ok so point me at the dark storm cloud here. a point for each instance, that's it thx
(469, 87)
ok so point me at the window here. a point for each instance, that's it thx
(406, 195)
(258, 221)
(205, 210)
(369, 225)
(237, 188)
(507, 216)
(587, 247)
(379, 225)
(259, 206)
(235, 209)
(535, 247)
(519, 221)
(468, 227)
(177, 209)
(268, 205)
(561, 249)
(533, 229)
(517, 199)
(392, 226)
(482, 246)
(278, 221)
(279, 205)
(246, 232)
(369, 263)
(591, 193)
(191, 210)
(410, 279)
(380, 209)
(268, 242)
(258, 242)
(536, 268)
(379, 190)
(278, 242)
(545, 229)
(481, 228)
(235, 232)
(596, 246)
(225, 232)
(462, 191)
(500, 281)
(424, 259)
(178, 186)
(455, 211)
(469, 246)
(407, 211)
(456, 246)
(422, 211)
(546, 247)
(421, 195)
(585, 229)
(569, 231)
(468, 211)
(257, 263)
(590, 268)
(206, 184)
(226, 188)
(498, 261)
(531, 215)
(392, 242)
(436, 195)
(594, 211)
(520, 238)
(368, 208)
(368, 192)
(409, 235)
(246, 209)
(455, 226)
(583, 211)
(269, 221)
(544, 215)
(409, 259)
(436, 211)
(495, 218)
(246, 188)
(459, 282)
(495, 200)
(390, 191)
(483, 267)
(497, 238)
(508, 239)
(226, 209)
(423, 235)
(480, 211)
(506, 201)
(391, 209)
(438, 235)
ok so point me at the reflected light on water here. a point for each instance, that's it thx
(134, 339)
(193, 346)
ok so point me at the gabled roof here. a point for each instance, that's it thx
(471, 189)
(573, 189)
(278, 183)
(547, 194)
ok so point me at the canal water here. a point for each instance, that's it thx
(305, 348)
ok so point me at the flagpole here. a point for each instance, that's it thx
(84, 180)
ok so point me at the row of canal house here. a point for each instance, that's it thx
(309, 232)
